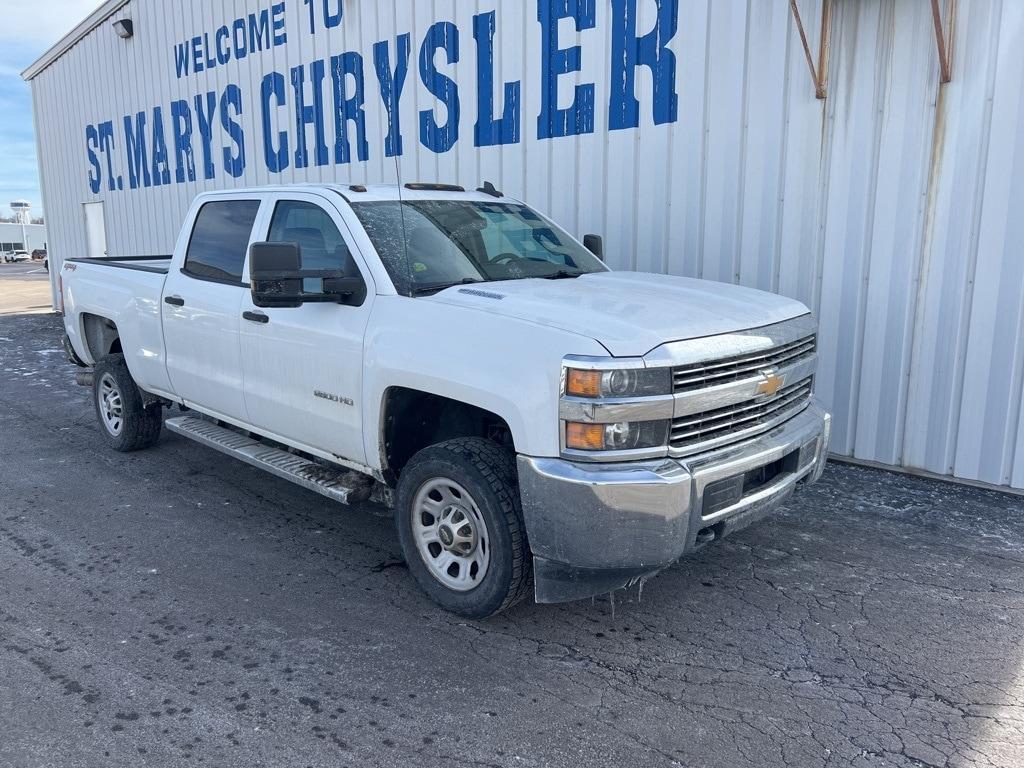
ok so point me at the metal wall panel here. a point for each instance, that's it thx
(893, 208)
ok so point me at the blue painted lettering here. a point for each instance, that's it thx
(161, 168)
(223, 43)
(206, 106)
(234, 161)
(348, 107)
(392, 83)
(555, 62)
(239, 39)
(333, 13)
(181, 59)
(92, 143)
(107, 147)
(197, 54)
(273, 88)
(312, 114)
(259, 31)
(208, 60)
(181, 125)
(630, 52)
(135, 146)
(277, 23)
(440, 138)
(489, 131)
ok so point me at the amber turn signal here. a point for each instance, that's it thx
(583, 383)
(584, 437)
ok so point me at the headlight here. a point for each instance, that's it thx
(622, 436)
(618, 382)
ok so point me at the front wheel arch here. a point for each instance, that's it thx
(412, 420)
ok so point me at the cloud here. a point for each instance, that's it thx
(43, 24)
(28, 30)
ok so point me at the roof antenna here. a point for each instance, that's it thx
(489, 189)
(405, 238)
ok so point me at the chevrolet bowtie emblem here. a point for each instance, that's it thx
(770, 385)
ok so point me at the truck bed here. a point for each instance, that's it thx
(158, 264)
(123, 292)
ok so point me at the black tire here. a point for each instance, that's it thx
(488, 473)
(138, 426)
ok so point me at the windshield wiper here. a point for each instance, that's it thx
(420, 290)
(562, 274)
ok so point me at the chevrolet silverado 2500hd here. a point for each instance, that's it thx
(536, 420)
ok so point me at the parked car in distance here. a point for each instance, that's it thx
(539, 423)
(39, 254)
(12, 256)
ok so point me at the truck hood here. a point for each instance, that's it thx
(629, 313)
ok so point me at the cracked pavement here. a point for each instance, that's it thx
(176, 607)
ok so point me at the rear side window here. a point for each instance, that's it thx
(220, 240)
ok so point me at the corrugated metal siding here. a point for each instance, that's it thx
(895, 209)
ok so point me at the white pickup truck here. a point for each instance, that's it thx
(537, 421)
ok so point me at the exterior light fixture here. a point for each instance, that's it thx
(124, 28)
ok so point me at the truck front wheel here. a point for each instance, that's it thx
(461, 528)
(125, 421)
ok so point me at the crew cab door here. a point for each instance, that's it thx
(201, 308)
(303, 366)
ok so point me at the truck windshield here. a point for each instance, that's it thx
(447, 242)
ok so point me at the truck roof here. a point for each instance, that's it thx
(373, 193)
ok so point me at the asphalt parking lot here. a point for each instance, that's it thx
(174, 607)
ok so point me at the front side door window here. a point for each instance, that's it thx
(319, 239)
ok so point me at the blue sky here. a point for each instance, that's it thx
(27, 31)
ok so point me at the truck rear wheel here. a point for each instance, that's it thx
(461, 528)
(125, 421)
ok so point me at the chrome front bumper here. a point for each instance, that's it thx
(594, 528)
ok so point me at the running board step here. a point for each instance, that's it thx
(345, 486)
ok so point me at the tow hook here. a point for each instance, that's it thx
(707, 535)
(85, 378)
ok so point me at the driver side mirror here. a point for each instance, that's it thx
(277, 279)
(594, 244)
(274, 274)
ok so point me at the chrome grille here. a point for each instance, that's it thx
(723, 371)
(709, 429)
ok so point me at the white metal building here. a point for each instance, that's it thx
(18, 237)
(687, 132)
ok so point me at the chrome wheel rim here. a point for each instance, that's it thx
(451, 535)
(111, 405)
